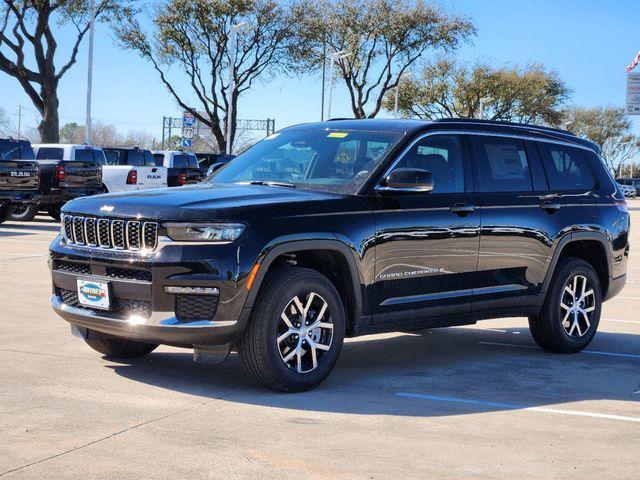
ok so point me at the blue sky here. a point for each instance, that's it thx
(588, 42)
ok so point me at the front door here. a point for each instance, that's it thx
(427, 243)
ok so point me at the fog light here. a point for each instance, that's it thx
(192, 290)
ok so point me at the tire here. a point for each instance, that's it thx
(23, 213)
(54, 212)
(557, 329)
(264, 357)
(118, 347)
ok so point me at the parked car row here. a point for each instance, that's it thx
(43, 177)
(629, 186)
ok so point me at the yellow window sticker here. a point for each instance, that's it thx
(337, 135)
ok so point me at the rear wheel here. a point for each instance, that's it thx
(295, 333)
(571, 312)
(118, 347)
(23, 213)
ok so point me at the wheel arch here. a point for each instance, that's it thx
(332, 258)
(581, 245)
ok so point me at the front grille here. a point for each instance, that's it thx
(191, 308)
(120, 307)
(115, 234)
(76, 268)
(129, 274)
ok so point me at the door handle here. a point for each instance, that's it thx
(462, 209)
(550, 206)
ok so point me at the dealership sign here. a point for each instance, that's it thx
(633, 93)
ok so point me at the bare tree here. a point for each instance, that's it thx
(193, 35)
(608, 127)
(28, 30)
(383, 39)
(106, 135)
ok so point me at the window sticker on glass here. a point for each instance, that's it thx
(337, 135)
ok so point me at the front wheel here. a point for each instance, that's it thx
(118, 347)
(23, 213)
(295, 332)
(571, 311)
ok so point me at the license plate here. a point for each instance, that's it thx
(93, 294)
(20, 197)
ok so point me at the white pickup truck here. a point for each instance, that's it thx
(123, 169)
(137, 167)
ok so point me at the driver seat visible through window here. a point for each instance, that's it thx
(442, 156)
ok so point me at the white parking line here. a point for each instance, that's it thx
(511, 406)
(637, 322)
(591, 352)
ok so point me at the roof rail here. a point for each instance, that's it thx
(506, 124)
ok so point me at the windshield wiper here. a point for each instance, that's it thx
(272, 183)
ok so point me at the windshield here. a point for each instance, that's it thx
(313, 159)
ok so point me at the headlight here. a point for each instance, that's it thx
(204, 232)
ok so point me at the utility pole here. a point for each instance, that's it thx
(233, 50)
(324, 70)
(87, 123)
(332, 59)
(19, 120)
(395, 104)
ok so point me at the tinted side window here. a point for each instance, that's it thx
(567, 168)
(442, 156)
(48, 153)
(148, 159)
(136, 158)
(112, 157)
(158, 159)
(502, 164)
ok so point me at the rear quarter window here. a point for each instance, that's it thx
(567, 167)
(136, 158)
(184, 161)
(158, 158)
(85, 155)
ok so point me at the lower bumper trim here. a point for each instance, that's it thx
(161, 327)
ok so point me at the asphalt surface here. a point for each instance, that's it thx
(467, 402)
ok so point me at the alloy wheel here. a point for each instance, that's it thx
(576, 306)
(305, 332)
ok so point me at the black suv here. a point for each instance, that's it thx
(346, 228)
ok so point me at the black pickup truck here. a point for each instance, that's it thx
(19, 176)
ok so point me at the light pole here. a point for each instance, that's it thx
(481, 104)
(233, 50)
(333, 57)
(87, 126)
(395, 104)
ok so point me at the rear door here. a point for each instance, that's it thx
(84, 171)
(522, 221)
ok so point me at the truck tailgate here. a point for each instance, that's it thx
(19, 175)
(79, 174)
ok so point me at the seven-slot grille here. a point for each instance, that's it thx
(115, 234)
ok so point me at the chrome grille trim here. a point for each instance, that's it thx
(110, 234)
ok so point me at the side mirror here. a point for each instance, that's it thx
(410, 180)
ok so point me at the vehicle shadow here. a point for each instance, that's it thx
(454, 371)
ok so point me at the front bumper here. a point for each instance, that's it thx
(141, 308)
(161, 327)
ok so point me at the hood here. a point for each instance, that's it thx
(192, 202)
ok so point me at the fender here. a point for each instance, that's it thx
(329, 242)
(574, 237)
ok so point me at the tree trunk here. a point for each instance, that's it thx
(49, 127)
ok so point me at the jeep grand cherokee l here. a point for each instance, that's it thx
(344, 228)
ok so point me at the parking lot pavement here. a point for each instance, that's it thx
(475, 402)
